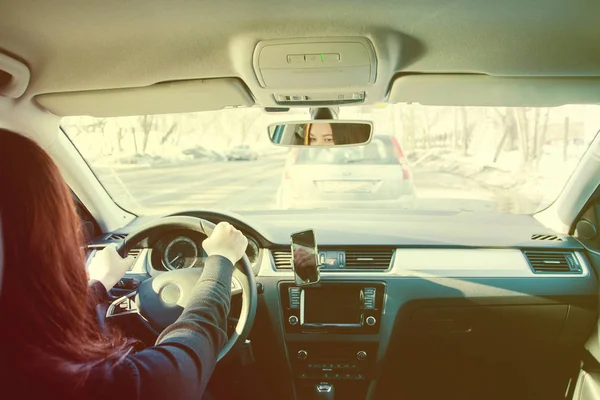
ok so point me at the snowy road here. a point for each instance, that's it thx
(253, 185)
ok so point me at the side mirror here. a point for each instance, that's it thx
(305, 261)
(322, 133)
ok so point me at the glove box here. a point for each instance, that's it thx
(490, 326)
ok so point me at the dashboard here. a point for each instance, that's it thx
(444, 286)
(180, 249)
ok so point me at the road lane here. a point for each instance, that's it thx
(226, 185)
(253, 185)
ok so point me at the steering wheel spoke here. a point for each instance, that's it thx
(236, 286)
(123, 306)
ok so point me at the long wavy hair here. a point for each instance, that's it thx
(50, 339)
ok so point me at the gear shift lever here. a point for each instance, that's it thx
(324, 391)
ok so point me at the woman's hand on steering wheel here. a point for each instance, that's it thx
(108, 266)
(221, 240)
(226, 241)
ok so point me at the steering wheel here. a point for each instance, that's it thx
(161, 299)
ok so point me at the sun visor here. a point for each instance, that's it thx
(484, 90)
(161, 98)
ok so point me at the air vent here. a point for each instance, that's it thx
(115, 236)
(369, 259)
(283, 259)
(547, 238)
(553, 262)
(356, 259)
(135, 253)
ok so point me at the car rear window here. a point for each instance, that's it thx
(379, 151)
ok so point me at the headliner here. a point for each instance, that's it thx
(74, 45)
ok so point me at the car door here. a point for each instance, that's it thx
(587, 386)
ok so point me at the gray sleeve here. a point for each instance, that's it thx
(207, 310)
(181, 363)
(193, 342)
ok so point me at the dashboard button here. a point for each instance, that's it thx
(293, 320)
(302, 355)
(371, 320)
(361, 355)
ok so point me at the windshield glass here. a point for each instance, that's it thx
(479, 159)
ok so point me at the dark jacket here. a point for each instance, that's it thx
(179, 366)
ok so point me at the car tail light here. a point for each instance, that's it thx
(406, 174)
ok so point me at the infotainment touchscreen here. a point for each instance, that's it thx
(331, 306)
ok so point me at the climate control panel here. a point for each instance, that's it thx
(332, 361)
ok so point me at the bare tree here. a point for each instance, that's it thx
(522, 123)
(169, 133)
(508, 123)
(429, 119)
(119, 140)
(146, 122)
(468, 127)
(541, 128)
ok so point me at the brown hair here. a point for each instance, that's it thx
(50, 339)
(307, 134)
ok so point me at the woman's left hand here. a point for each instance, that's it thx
(108, 266)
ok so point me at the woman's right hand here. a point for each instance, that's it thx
(226, 241)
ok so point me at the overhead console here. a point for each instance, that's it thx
(328, 66)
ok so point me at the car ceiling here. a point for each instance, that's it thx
(75, 46)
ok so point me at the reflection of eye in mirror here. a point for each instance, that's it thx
(304, 258)
(327, 133)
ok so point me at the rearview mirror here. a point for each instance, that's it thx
(305, 261)
(322, 133)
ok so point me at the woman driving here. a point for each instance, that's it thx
(330, 134)
(319, 134)
(51, 345)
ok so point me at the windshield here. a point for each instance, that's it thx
(479, 159)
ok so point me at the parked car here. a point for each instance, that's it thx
(331, 177)
(147, 159)
(242, 152)
(201, 153)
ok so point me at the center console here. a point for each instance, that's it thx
(333, 307)
(332, 333)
